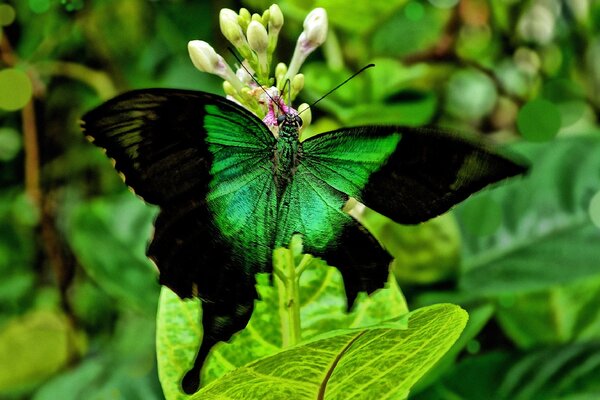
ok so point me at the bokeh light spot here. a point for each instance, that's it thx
(7, 15)
(444, 3)
(594, 209)
(539, 120)
(39, 6)
(10, 143)
(482, 216)
(414, 11)
(16, 89)
(72, 5)
(473, 347)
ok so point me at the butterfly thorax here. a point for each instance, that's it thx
(286, 151)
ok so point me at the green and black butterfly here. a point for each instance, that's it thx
(230, 191)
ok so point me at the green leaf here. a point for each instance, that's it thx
(123, 370)
(545, 236)
(322, 309)
(478, 318)
(109, 238)
(561, 314)
(423, 253)
(566, 372)
(414, 38)
(32, 349)
(378, 362)
(365, 100)
(359, 19)
(178, 336)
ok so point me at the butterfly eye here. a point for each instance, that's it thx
(298, 120)
(280, 119)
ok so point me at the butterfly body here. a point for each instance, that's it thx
(230, 191)
(286, 154)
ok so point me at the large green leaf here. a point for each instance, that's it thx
(561, 314)
(539, 233)
(379, 362)
(362, 17)
(33, 348)
(323, 308)
(123, 370)
(567, 372)
(109, 238)
(178, 335)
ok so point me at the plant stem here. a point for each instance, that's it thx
(287, 278)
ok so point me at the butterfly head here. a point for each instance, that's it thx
(290, 119)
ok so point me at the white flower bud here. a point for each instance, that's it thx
(206, 59)
(257, 37)
(315, 27)
(203, 56)
(275, 17)
(230, 27)
(314, 34)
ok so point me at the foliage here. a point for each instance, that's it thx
(78, 297)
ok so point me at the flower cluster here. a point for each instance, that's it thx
(254, 37)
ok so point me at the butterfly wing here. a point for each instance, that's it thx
(314, 209)
(407, 174)
(207, 163)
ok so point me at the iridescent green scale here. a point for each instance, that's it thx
(230, 191)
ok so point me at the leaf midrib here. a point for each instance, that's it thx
(323, 385)
(499, 253)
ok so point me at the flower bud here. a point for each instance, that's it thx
(315, 27)
(275, 17)
(305, 113)
(230, 27)
(245, 17)
(257, 37)
(280, 71)
(257, 17)
(314, 34)
(203, 56)
(297, 85)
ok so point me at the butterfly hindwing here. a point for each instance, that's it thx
(314, 209)
(407, 174)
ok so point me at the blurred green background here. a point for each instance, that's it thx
(78, 297)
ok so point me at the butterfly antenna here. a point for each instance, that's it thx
(338, 86)
(288, 85)
(254, 79)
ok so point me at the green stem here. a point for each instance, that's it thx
(287, 279)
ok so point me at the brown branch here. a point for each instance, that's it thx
(6, 52)
(32, 154)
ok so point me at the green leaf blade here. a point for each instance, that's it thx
(178, 335)
(382, 360)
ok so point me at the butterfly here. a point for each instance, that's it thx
(230, 192)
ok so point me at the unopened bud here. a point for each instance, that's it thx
(297, 85)
(244, 18)
(315, 27)
(203, 56)
(275, 17)
(305, 113)
(314, 34)
(228, 21)
(257, 37)
(280, 71)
